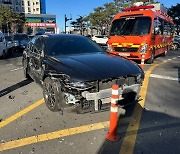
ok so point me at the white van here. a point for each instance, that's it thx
(3, 47)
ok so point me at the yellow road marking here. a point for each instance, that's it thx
(58, 134)
(130, 137)
(21, 113)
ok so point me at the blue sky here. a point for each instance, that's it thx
(77, 8)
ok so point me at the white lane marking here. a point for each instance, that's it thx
(16, 69)
(179, 56)
(169, 59)
(164, 77)
(9, 64)
(165, 61)
(174, 58)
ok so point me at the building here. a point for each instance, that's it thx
(41, 23)
(25, 6)
(37, 21)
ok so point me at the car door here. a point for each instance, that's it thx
(2, 44)
(35, 59)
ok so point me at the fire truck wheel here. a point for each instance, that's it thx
(151, 59)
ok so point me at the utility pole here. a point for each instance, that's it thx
(65, 20)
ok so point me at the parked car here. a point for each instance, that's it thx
(3, 47)
(100, 39)
(76, 71)
(10, 43)
(176, 43)
(30, 36)
(20, 41)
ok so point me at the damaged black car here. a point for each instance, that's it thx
(75, 71)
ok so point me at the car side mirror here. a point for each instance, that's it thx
(156, 30)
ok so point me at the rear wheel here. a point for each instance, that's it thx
(151, 59)
(53, 95)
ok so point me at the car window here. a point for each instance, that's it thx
(37, 46)
(65, 45)
(8, 38)
(1, 39)
(20, 37)
(99, 36)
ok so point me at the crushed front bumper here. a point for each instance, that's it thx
(106, 93)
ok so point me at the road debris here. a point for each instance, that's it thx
(11, 97)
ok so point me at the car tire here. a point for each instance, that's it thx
(4, 54)
(151, 59)
(175, 46)
(53, 95)
(25, 69)
(165, 53)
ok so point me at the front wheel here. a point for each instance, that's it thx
(54, 97)
(151, 59)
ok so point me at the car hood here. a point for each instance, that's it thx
(88, 67)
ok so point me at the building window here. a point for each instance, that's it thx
(29, 3)
(7, 2)
(29, 9)
(37, 3)
(22, 9)
(34, 9)
(17, 9)
(22, 3)
(37, 9)
(33, 3)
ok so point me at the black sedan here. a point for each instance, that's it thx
(75, 71)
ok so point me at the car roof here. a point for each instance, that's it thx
(62, 35)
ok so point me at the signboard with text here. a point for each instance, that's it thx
(31, 24)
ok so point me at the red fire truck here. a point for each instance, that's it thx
(144, 29)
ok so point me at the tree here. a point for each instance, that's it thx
(175, 14)
(79, 24)
(102, 16)
(11, 21)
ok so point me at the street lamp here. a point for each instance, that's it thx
(65, 20)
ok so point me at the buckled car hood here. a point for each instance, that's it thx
(89, 67)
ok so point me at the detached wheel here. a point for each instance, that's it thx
(53, 96)
(151, 59)
(25, 69)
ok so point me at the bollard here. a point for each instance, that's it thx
(112, 135)
(142, 60)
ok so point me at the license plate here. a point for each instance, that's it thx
(124, 54)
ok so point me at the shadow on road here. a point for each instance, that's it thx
(14, 87)
(158, 133)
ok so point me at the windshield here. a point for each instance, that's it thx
(131, 26)
(21, 37)
(66, 45)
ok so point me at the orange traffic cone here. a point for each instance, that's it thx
(112, 134)
(142, 61)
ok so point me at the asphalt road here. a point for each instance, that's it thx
(27, 126)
